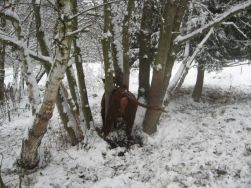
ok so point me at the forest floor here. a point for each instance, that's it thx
(206, 144)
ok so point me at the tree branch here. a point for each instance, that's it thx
(236, 27)
(217, 21)
(45, 60)
(87, 10)
(82, 29)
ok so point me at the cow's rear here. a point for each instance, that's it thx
(122, 105)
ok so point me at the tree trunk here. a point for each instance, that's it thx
(29, 77)
(69, 117)
(1, 182)
(84, 107)
(116, 49)
(40, 33)
(197, 91)
(177, 79)
(73, 87)
(29, 152)
(27, 71)
(2, 61)
(73, 131)
(65, 119)
(106, 45)
(145, 51)
(125, 42)
(185, 66)
(172, 15)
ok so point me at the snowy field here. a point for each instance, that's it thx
(206, 144)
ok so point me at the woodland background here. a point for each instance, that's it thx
(47, 45)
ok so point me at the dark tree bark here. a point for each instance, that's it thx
(145, 51)
(125, 42)
(106, 46)
(2, 61)
(1, 182)
(172, 14)
(199, 83)
(85, 107)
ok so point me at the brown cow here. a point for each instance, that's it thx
(122, 105)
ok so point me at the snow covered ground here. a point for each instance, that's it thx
(205, 144)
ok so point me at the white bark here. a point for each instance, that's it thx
(29, 152)
(25, 59)
(13, 41)
(184, 68)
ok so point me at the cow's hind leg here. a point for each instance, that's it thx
(129, 119)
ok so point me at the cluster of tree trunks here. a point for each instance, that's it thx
(161, 18)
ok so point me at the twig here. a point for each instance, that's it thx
(87, 10)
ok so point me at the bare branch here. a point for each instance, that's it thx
(10, 15)
(98, 6)
(237, 28)
(82, 29)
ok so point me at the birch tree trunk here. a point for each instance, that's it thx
(27, 72)
(172, 15)
(29, 77)
(74, 131)
(30, 145)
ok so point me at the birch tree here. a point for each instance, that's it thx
(29, 152)
(68, 115)
(27, 72)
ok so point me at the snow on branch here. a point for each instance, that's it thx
(237, 28)
(185, 66)
(220, 18)
(93, 8)
(10, 15)
(82, 29)
(15, 42)
(197, 50)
